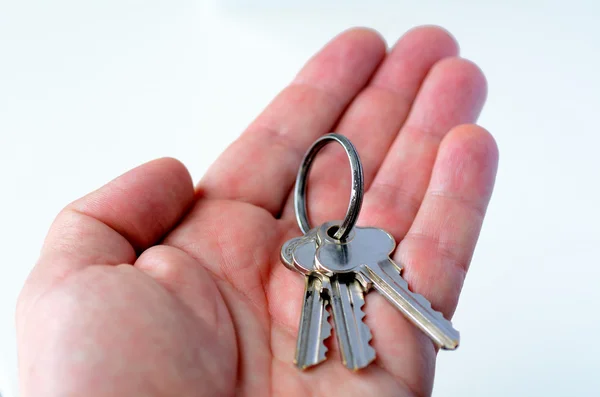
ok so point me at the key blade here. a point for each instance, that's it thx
(387, 280)
(358, 301)
(353, 335)
(314, 326)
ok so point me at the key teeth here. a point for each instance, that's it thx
(370, 351)
(325, 334)
(422, 300)
(326, 326)
(367, 331)
(360, 317)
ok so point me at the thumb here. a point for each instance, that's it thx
(111, 225)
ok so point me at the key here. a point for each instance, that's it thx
(346, 297)
(366, 253)
(314, 325)
(287, 250)
(353, 335)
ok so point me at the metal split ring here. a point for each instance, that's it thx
(356, 194)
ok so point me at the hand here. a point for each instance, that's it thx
(147, 287)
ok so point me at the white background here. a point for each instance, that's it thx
(91, 89)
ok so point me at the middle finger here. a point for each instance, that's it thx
(373, 119)
(453, 94)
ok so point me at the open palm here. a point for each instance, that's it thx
(151, 287)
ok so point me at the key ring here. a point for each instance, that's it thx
(356, 194)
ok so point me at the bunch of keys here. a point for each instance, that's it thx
(340, 263)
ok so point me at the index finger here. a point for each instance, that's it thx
(260, 167)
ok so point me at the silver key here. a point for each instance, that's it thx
(287, 250)
(314, 325)
(366, 253)
(346, 297)
(353, 334)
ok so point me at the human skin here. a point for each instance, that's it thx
(150, 286)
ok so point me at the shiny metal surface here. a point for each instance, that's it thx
(288, 248)
(340, 263)
(346, 298)
(364, 245)
(314, 325)
(367, 253)
(353, 335)
(356, 194)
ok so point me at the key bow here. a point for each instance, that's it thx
(361, 247)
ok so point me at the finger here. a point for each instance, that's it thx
(109, 225)
(453, 93)
(437, 249)
(374, 118)
(260, 167)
